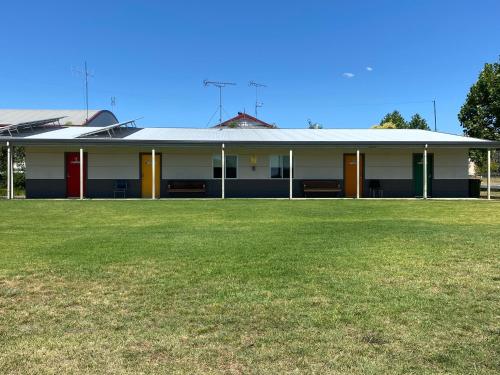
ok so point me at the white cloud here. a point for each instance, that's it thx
(369, 68)
(348, 75)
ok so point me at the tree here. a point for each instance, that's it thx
(418, 122)
(396, 118)
(385, 125)
(18, 159)
(481, 110)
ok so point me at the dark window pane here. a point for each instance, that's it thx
(276, 172)
(275, 166)
(286, 172)
(231, 161)
(231, 166)
(230, 172)
(217, 172)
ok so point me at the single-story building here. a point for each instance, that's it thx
(127, 161)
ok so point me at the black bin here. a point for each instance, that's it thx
(474, 187)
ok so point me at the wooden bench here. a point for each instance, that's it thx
(187, 187)
(321, 187)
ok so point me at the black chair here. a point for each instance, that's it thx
(120, 188)
(375, 189)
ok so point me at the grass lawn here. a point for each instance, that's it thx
(250, 286)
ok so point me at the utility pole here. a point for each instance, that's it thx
(435, 121)
(220, 85)
(257, 103)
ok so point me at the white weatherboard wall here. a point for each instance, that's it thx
(451, 163)
(318, 164)
(262, 165)
(196, 163)
(117, 165)
(186, 165)
(387, 164)
(43, 164)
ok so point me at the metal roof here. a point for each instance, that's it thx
(71, 116)
(256, 136)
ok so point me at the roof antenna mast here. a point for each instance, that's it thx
(435, 120)
(86, 74)
(220, 85)
(257, 103)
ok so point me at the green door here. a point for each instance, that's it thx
(418, 174)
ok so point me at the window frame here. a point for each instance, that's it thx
(282, 167)
(226, 156)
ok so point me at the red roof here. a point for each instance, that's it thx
(244, 116)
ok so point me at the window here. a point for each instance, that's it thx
(280, 166)
(231, 166)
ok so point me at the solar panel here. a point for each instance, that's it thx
(29, 125)
(110, 129)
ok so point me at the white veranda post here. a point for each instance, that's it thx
(81, 173)
(425, 173)
(291, 177)
(223, 173)
(12, 173)
(357, 174)
(8, 170)
(488, 182)
(153, 174)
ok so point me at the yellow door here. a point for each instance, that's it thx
(147, 175)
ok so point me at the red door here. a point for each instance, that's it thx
(73, 174)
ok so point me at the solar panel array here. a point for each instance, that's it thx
(110, 129)
(17, 128)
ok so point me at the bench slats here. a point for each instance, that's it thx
(321, 187)
(187, 187)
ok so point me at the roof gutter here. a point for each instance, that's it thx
(131, 142)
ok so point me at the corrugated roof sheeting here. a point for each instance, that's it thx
(294, 135)
(73, 116)
(268, 136)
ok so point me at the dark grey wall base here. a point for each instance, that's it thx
(391, 189)
(450, 188)
(105, 189)
(266, 188)
(45, 188)
(458, 188)
(272, 188)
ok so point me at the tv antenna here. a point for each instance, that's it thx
(257, 86)
(220, 85)
(86, 74)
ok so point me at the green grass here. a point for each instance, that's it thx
(250, 286)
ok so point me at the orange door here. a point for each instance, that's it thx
(147, 175)
(350, 175)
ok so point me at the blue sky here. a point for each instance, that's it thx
(153, 56)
